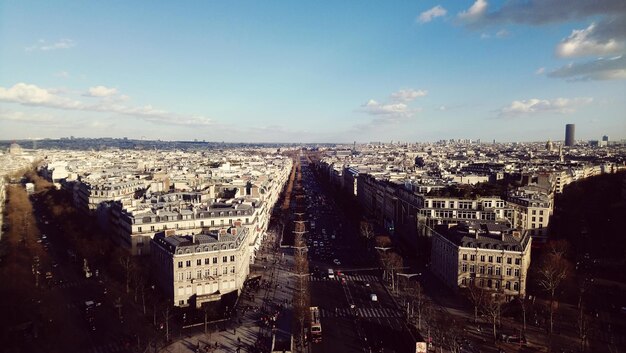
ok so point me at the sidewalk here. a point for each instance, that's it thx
(258, 308)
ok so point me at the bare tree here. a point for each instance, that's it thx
(552, 272)
(417, 296)
(492, 307)
(524, 305)
(367, 230)
(477, 296)
(127, 266)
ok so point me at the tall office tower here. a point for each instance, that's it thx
(570, 129)
(605, 138)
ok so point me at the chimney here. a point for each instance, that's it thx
(193, 237)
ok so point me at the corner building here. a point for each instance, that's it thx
(491, 255)
(192, 269)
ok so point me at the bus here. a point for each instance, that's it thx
(316, 325)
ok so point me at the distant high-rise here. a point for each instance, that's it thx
(605, 138)
(570, 129)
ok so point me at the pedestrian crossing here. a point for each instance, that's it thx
(360, 312)
(352, 278)
(113, 347)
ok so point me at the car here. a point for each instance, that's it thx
(337, 262)
(373, 297)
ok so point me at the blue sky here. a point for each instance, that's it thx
(315, 71)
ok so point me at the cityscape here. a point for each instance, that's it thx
(311, 177)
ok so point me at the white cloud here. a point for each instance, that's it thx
(101, 91)
(375, 108)
(600, 69)
(26, 94)
(429, 15)
(42, 45)
(32, 95)
(408, 95)
(540, 71)
(583, 42)
(503, 33)
(537, 106)
(475, 12)
(21, 117)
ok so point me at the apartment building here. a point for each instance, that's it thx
(489, 254)
(531, 211)
(444, 210)
(89, 194)
(192, 268)
(135, 228)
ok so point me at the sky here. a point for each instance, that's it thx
(313, 71)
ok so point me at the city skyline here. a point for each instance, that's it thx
(312, 72)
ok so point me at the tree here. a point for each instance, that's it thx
(416, 294)
(127, 266)
(492, 307)
(552, 271)
(524, 305)
(476, 295)
(367, 231)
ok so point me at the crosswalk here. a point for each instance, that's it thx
(361, 278)
(360, 312)
(113, 347)
(70, 284)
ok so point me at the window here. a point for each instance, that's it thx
(139, 229)
(180, 276)
(497, 284)
(232, 269)
(508, 271)
(199, 274)
(490, 258)
(225, 270)
(187, 263)
(224, 258)
(212, 222)
(515, 286)
(207, 261)
(215, 271)
(534, 219)
(541, 212)
(490, 270)
(541, 219)
(498, 271)
(207, 273)
(509, 260)
(464, 281)
(188, 274)
(482, 258)
(472, 257)
(464, 256)
(472, 269)
(215, 260)
(518, 261)
(181, 302)
(464, 268)
(534, 212)
(517, 272)
(482, 282)
(499, 259)
(152, 228)
(180, 264)
(508, 285)
(232, 258)
(482, 270)
(199, 262)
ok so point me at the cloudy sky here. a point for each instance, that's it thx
(313, 71)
